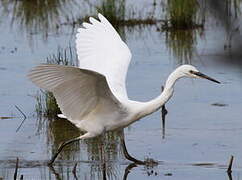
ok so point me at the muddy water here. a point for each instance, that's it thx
(203, 125)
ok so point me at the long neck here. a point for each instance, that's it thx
(153, 105)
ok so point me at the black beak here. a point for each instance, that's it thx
(204, 76)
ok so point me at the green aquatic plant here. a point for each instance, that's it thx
(183, 14)
(182, 44)
(66, 56)
(46, 105)
(185, 22)
(37, 16)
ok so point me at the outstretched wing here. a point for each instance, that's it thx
(77, 91)
(100, 49)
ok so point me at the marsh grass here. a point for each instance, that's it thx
(185, 22)
(46, 105)
(120, 15)
(37, 16)
(117, 23)
(117, 14)
(183, 14)
(182, 44)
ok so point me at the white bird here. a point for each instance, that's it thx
(93, 96)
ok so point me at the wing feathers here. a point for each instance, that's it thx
(100, 49)
(77, 91)
(95, 22)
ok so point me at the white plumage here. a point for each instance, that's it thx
(93, 95)
(77, 91)
(100, 48)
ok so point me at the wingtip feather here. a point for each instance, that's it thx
(101, 17)
(93, 20)
(86, 25)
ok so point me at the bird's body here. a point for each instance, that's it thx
(93, 95)
(105, 112)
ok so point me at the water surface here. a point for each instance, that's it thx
(203, 125)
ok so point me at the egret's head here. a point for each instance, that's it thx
(191, 71)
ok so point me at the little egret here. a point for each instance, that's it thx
(93, 95)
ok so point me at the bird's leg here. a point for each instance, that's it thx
(60, 149)
(128, 169)
(125, 151)
(103, 157)
(163, 116)
(57, 175)
(85, 136)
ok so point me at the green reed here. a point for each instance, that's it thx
(183, 14)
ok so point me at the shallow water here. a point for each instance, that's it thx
(199, 136)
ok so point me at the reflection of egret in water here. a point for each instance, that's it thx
(37, 16)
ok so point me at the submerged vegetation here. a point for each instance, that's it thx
(185, 22)
(106, 150)
(182, 44)
(46, 105)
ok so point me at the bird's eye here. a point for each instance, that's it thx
(191, 71)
